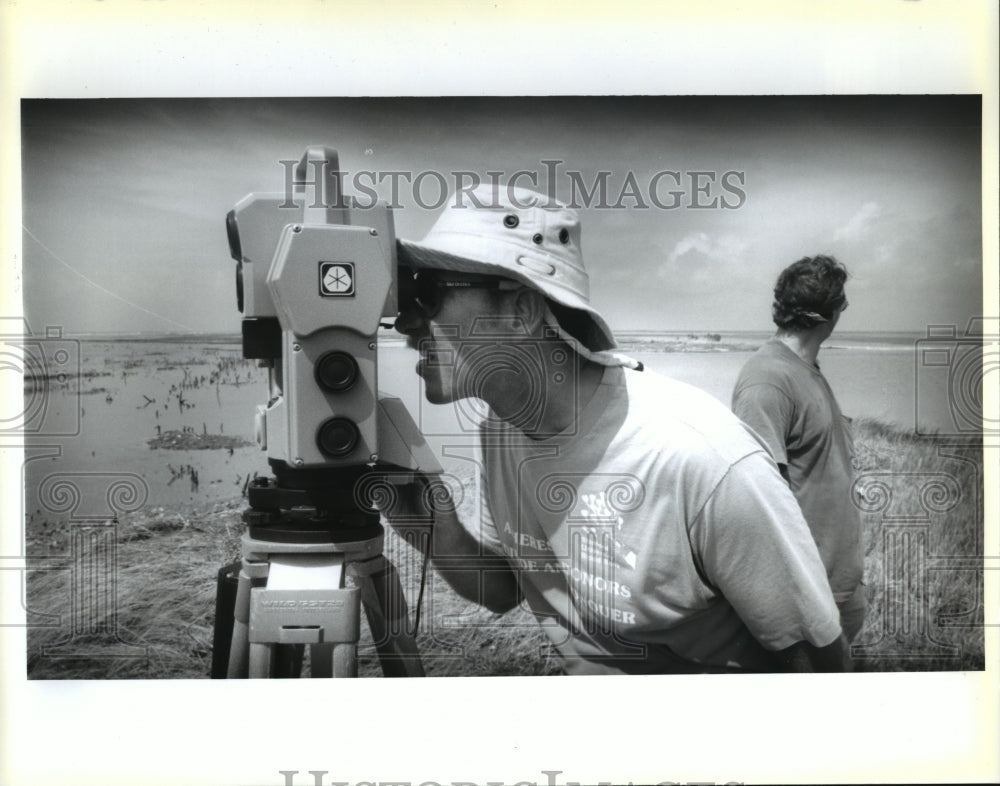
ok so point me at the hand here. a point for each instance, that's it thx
(804, 656)
(410, 498)
(423, 506)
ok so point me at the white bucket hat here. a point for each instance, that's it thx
(524, 236)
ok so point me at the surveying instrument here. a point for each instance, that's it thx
(316, 271)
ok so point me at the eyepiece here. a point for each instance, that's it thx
(406, 289)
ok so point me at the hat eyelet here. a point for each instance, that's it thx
(537, 238)
(564, 235)
(510, 221)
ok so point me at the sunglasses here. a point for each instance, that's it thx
(429, 287)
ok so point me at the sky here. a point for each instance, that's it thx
(124, 200)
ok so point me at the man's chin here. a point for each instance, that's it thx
(436, 389)
(434, 392)
(436, 396)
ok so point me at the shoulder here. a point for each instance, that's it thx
(650, 389)
(686, 422)
(695, 443)
(770, 366)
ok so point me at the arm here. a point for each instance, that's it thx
(770, 414)
(756, 548)
(469, 566)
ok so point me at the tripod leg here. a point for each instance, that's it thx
(345, 660)
(385, 608)
(320, 660)
(240, 647)
(227, 582)
(338, 659)
(261, 660)
(329, 660)
(288, 661)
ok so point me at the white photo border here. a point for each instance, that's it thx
(820, 728)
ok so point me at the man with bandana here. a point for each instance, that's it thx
(784, 397)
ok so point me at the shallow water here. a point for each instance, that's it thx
(879, 387)
(887, 384)
(128, 390)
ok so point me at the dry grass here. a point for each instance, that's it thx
(922, 503)
(163, 624)
(924, 591)
(165, 593)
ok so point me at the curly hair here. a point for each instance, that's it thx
(808, 293)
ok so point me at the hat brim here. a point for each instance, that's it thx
(583, 322)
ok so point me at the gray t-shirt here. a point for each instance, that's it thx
(790, 405)
(655, 536)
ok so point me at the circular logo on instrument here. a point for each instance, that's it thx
(336, 279)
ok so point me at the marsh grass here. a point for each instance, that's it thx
(162, 623)
(922, 508)
(921, 499)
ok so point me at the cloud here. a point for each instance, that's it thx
(700, 262)
(698, 241)
(859, 223)
(909, 271)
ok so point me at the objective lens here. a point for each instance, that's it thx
(336, 371)
(337, 437)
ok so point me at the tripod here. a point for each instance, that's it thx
(311, 558)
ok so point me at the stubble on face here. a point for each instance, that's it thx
(462, 348)
(439, 343)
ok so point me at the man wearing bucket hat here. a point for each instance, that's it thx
(643, 525)
(782, 394)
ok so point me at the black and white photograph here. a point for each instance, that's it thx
(720, 256)
(648, 396)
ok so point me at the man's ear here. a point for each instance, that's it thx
(529, 307)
